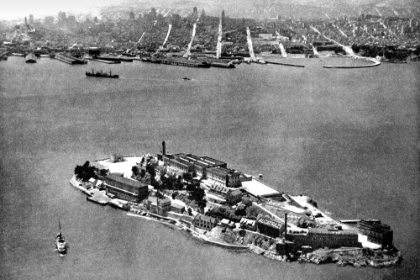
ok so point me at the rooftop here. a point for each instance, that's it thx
(205, 218)
(123, 167)
(124, 180)
(257, 188)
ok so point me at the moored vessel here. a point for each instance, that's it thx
(101, 74)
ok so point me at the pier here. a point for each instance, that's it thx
(113, 58)
(104, 61)
(285, 64)
(3, 55)
(69, 59)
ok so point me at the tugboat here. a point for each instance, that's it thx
(60, 243)
(100, 74)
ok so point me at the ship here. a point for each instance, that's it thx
(60, 242)
(101, 74)
(30, 58)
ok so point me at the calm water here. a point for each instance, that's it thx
(348, 138)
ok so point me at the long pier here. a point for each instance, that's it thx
(3, 55)
(285, 64)
(69, 59)
(105, 61)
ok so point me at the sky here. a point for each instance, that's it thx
(11, 9)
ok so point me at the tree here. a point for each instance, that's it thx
(202, 204)
(252, 211)
(186, 176)
(174, 195)
(198, 194)
(142, 173)
(135, 171)
(85, 172)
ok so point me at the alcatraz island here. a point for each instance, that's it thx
(204, 198)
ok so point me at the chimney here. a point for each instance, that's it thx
(164, 148)
(285, 225)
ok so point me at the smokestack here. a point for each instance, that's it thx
(285, 225)
(163, 148)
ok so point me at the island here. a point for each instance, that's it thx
(204, 198)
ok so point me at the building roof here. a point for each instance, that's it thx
(247, 221)
(326, 231)
(269, 223)
(234, 192)
(164, 201)
(213, 161)
(126, 181)
(177, 203)
(257, 188)
(204, 218)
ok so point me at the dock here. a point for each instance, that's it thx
(3, 55)
(69, 59)
(107, 61)
(113, 58)
(285, 64)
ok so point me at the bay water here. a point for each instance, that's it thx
(346, 137)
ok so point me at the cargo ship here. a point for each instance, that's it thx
(100, 74)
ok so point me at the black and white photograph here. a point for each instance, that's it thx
(210, 139)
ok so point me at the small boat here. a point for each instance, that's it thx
(60, 242)
(100, 74)
(186, 79)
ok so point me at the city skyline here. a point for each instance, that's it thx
(23, 8)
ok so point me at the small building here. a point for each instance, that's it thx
(376, 232)
(125, 188)
(269, 227)
(177, 206)
(249, 224)
(233, 196)
(158, 206)
(204, 222)
(218, 189)
(322, 237)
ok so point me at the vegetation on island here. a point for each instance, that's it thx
(85, 172)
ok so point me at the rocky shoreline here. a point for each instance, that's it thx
(356, 257)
